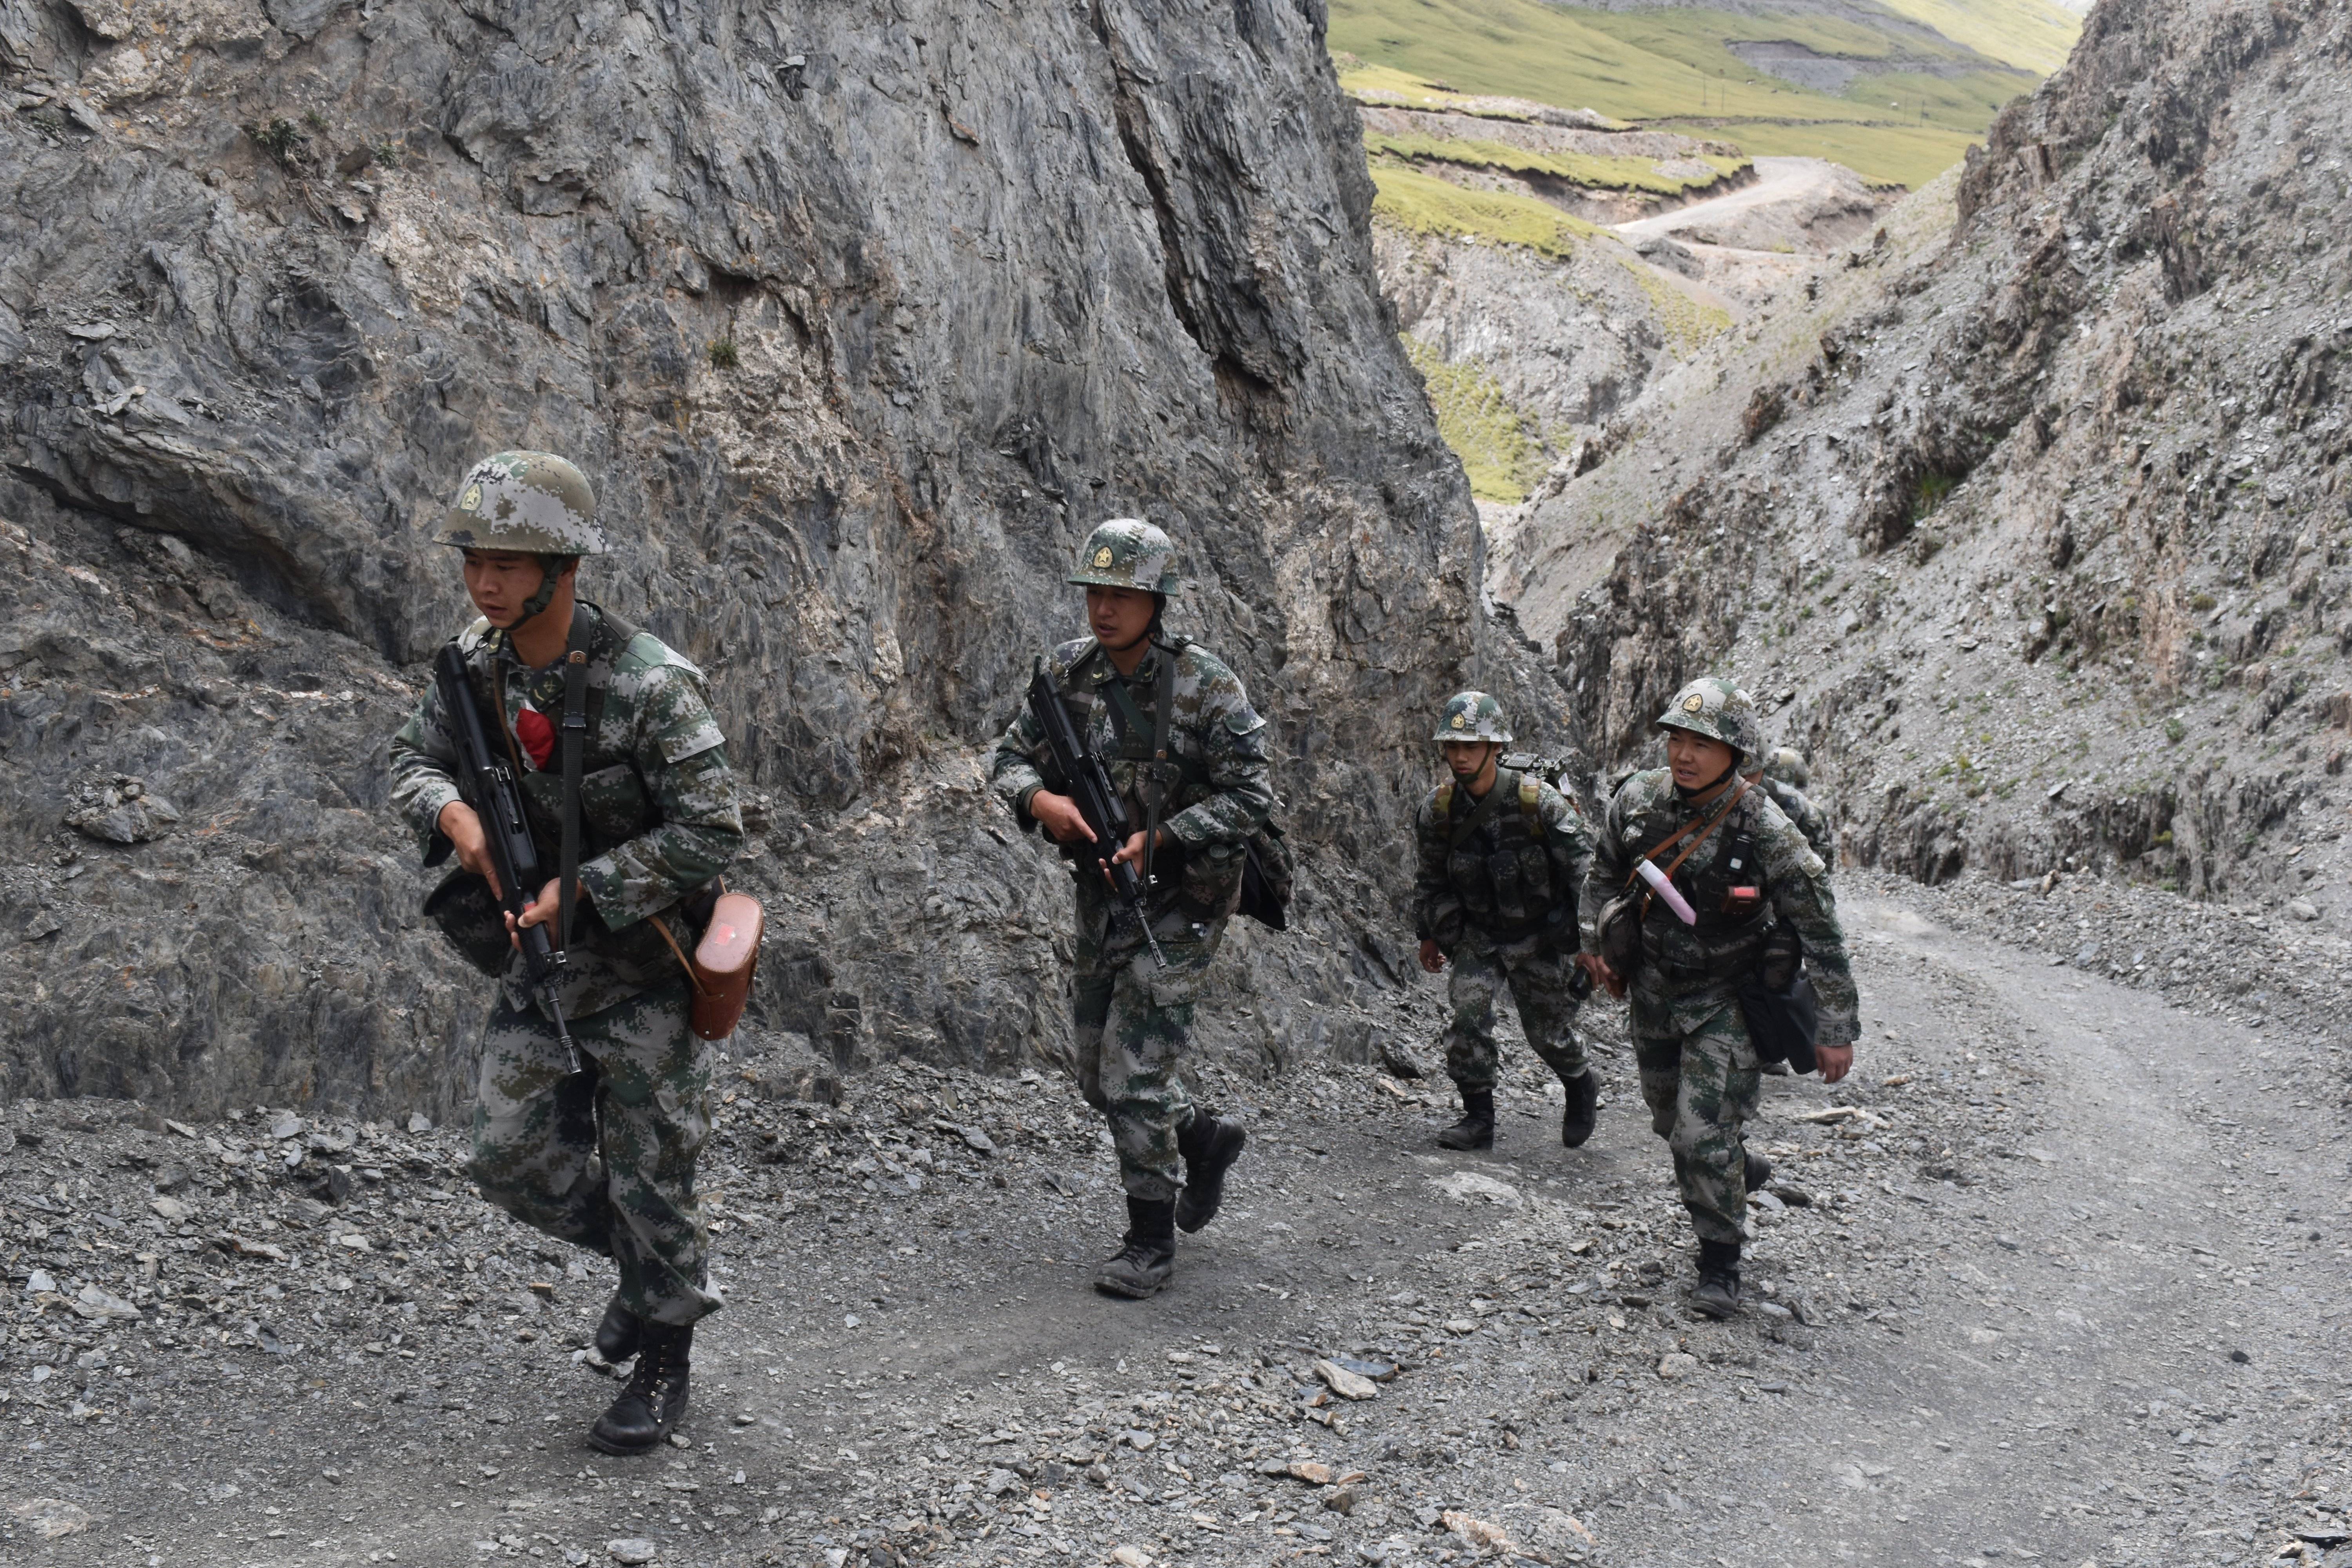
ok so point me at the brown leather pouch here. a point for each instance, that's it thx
(723, 964)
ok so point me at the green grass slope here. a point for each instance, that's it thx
(1676, 67)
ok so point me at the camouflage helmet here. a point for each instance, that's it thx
(1719, 709)
(1788, 767)
(1472, 716)
(533, 503)
(1126, 552)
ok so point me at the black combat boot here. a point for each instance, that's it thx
(1147, 1253)
(1759, 1169)
(1210, 1144)
(1583, 1103)
(1477, 1128)
(653, 1404)
(618, 1336)
(1718, 1292)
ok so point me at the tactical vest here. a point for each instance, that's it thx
(1183, 780)
(1724, 884)
(1501, 868)
(614, 803)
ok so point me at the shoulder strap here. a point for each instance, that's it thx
(574, 736)
(1164, 706)
(1485, 812)
(1702, 826)
(1530, 796)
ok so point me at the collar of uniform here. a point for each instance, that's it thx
(1100, 668)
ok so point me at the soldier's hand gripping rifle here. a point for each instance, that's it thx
(1098, 802)
(490, 788)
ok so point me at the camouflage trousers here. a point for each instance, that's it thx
(605, 1158)
(1536, 975)
(1702, 1085)
(1132, 1023)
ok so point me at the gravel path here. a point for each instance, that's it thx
(2053, 1279)
(1779, 181)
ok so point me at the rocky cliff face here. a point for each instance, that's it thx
(860, 316)
(2033, 523)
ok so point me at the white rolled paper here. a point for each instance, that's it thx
(1668, 892)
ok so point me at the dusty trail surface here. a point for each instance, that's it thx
(1791, 183)
(1996, 1298)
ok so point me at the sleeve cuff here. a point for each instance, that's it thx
(431, 801)
(1187, 830)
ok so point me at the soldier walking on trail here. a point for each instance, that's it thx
(1757, 896)
(1787, 778)
(1187, 755)
(602, 1157)
(1502, 855)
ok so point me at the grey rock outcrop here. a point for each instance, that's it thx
(2033, 526)
(859, 314)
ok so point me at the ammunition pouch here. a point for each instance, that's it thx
(1618, 930)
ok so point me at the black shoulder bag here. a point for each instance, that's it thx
(1777, 999)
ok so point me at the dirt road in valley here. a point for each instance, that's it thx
(2055, 1280)
(1795, 183)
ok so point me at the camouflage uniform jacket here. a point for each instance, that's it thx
(1689, 972)
(1811, 819)
(658, 817)
(1218, 787)
(1516, 873)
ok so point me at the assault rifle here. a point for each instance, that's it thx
(489, 786)
(1552, 771)
(1098, 802)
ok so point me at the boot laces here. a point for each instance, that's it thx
(658, 1367)
(1140, 1250)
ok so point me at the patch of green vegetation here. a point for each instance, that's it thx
(2200, 603)
(1427, 204)
(279, 138)
(1503, 459)
(1675, 69)
(2174, 730)
(1592, 170)
(1687, 324)
(2031, 34)
(1886, 156)
(1932, 491)
(723, 354)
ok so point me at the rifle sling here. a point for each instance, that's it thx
(1506, 786)
(1157, 791)
(574, 736)
(1122, 707)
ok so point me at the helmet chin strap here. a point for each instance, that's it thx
(1715, 783)
(550, 578)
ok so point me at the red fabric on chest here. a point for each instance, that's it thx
(537, 735)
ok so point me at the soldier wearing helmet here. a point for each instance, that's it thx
(1188, 755)
(1743, 896)
(1786, 778)
(1501, 856)
(605, 1157)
